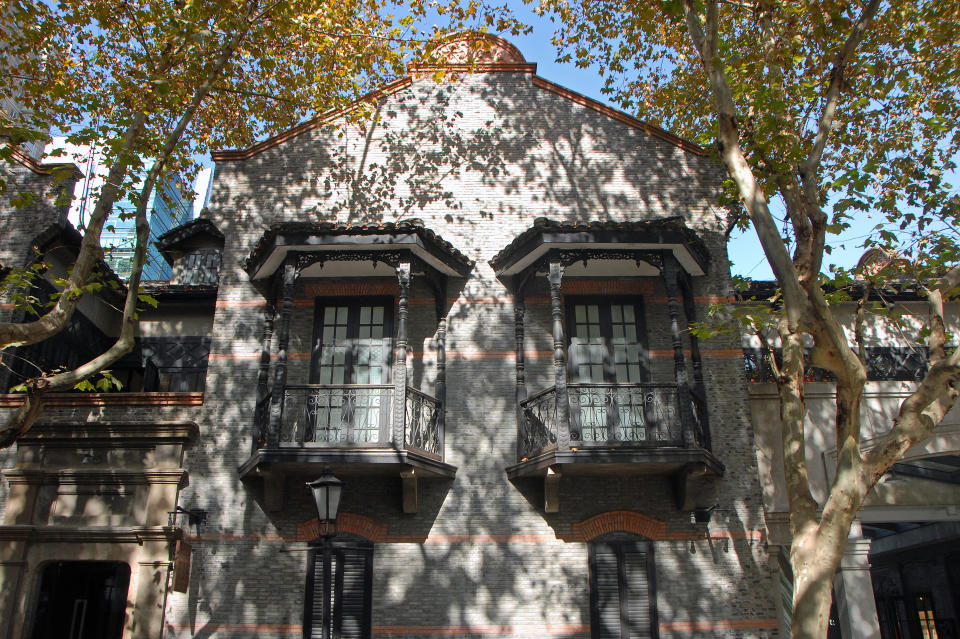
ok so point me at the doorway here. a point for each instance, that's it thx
(82, 600)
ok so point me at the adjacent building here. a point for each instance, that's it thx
(172, 204)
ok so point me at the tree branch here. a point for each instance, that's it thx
(812, 162)
(741, 172)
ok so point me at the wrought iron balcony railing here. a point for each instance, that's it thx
(359, 416)
(610, 415)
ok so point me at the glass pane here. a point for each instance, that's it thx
(364, 314)
(580, 313)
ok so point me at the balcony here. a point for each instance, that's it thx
(352, 416)
(353, 429)
(357, 415)
(635, 424)
(613, 409)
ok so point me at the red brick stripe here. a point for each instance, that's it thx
(720, 624)
(475, 629)
(484, 629)
(241, 303)
(256, 628)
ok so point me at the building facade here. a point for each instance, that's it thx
(469, 301)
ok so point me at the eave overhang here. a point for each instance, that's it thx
(669, 234)
(410, 237)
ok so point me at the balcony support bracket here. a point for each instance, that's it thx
(684, 488)
(411, 496)
(551, 490)
(273, 491)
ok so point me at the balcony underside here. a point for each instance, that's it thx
(274, 465)
(343, 461)
(620, 462)
(685, 466)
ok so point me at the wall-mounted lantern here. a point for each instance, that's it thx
(326, 492)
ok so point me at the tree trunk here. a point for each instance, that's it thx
(814, 557)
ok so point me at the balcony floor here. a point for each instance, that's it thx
(342, 461)
(620, 462)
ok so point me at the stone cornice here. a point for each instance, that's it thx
(132, 535)
(113, 431)
(13, 400)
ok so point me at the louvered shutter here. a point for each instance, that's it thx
(635, 586)
(343, 579)
(352, 598)
(622, 602)
(604, 592)
(316, 591)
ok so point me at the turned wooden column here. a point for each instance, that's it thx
(261, 410)
(282, 320)
(670, 276)
(555, 276)
(519, 309)
(400, 360)
(690, 310)
(440, 386)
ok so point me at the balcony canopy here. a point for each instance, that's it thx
(341, 244)
(619, 244)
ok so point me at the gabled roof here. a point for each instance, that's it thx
(70, 237)
(46, 168)
(503, 57)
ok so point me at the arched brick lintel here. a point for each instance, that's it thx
(349, 523)
(620, 521)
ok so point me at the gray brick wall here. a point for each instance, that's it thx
(485, 155)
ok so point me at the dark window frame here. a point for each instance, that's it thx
(605, 302)
(618, 547)
(324, 550)
(353, 304)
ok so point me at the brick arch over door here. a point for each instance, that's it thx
(350, 523)
(620, 521)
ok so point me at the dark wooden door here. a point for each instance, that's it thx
(608, 360)
(622, 593)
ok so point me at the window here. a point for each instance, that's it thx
(622, 592)
(200, 267)
(608, 361)
(339, 595)
(175, 364)
(350, 371)
(80, 599)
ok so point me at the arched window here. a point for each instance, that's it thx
(339, 589)
(623, 601)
